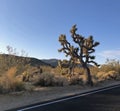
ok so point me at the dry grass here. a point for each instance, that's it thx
(49, 79)
(110, 75)
(12, 79)
(9, 82)
(46, 68)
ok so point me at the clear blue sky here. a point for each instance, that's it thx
(35, 25)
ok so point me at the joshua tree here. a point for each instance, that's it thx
(65, 64)
(82, 52)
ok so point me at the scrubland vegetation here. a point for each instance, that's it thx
(17, 74)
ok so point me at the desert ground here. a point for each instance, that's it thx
(41, 94)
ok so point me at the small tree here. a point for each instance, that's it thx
(82, 52)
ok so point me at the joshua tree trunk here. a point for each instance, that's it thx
(89, 78)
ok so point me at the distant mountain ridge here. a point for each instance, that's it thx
(52, 62)
(38, 62)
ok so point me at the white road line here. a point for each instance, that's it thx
(73, 97)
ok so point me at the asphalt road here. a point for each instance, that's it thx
(103, 101)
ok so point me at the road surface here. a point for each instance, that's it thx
(108, 100)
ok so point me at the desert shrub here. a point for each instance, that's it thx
(106, 68)
(79, 70)
(74, 80)
(100, 76)
(110, 75)
(25, 76)
(57, 70)
(78, 80)
(59, 81)
(94, 70)
(84, 78)
(111, 65)
(49, 79)
(108, 71)
(9, 82)
(45, 79)
(46, 68)
(60, 71)
(31, 73)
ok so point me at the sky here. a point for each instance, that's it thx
(35, 26)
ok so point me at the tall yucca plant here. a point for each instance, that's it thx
(86, 46)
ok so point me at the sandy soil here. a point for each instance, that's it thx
(41, 94)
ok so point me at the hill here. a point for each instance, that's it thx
(32, 61)
(26, 60)
(52, 62)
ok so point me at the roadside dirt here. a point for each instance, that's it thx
(14, 100)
